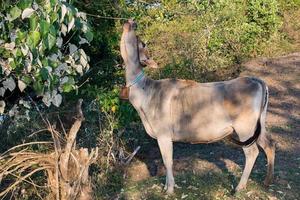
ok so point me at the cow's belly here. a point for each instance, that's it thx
(202, 131)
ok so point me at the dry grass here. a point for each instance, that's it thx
(66, 166)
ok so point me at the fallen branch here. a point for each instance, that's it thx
(132, 155)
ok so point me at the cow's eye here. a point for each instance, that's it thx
(143, 44)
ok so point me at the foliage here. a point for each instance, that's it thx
(105, 62)
(203, 40)
(42, 48)
(286, 5)
(262, 22)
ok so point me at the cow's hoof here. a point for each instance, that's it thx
(267, 182)
(165, 187)
(170, 190)
(240, 188)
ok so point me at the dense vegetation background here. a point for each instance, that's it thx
(53, 52)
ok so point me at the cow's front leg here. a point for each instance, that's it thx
(166, 149)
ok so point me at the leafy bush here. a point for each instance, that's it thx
(41, 48)
(203, 40)
(262, 21)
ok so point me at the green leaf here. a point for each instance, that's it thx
(47, 6)
(38, 87)
(33, 22)
(12, 63)
(89, 36)
(44, 73)
(24, 4)
(14, 13)
(67, 87)
(24, 49)
(27, 79)
(18, 52)
(44, 27)
(33, 39)
(50, 41)
(53, 17)
(53, 2)
(45, 62)
(53, 30)
(21, 35)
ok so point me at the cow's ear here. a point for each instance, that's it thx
(150, 63)
(144, 55)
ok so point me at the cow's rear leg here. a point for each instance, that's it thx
(269, 148)
(166, 149)
(251, 154)
(267, 144)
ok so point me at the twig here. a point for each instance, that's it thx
(40, 113)
(62, 126)
(25, 144)
(21, 179)
(36, 190)
(55, 136)
(67, 42)
(39, 131)
(83, 83)
(30, 181)
(13, 157)
(132, 155)
(16, 162)
(104, 17)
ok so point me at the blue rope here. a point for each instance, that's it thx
(137, 78)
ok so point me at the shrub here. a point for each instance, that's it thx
(204, 40)
(262, 22)
(41, 48)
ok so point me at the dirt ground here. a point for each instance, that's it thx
(282, 75)
(211, 171)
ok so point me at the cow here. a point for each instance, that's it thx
(174, 110)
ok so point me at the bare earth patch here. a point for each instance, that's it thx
(282, 75)
(212, 171)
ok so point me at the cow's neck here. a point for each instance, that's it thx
(132, 71)
(137, 92)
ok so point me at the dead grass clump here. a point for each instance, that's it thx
(66, 166)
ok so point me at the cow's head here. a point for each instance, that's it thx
(134, 51)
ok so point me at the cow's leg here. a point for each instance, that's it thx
(267, 144)
(251, 154)
(166, 149)
(269, 148)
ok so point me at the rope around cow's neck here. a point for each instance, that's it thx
(137, 78)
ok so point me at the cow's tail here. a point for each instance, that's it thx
(261, 119)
